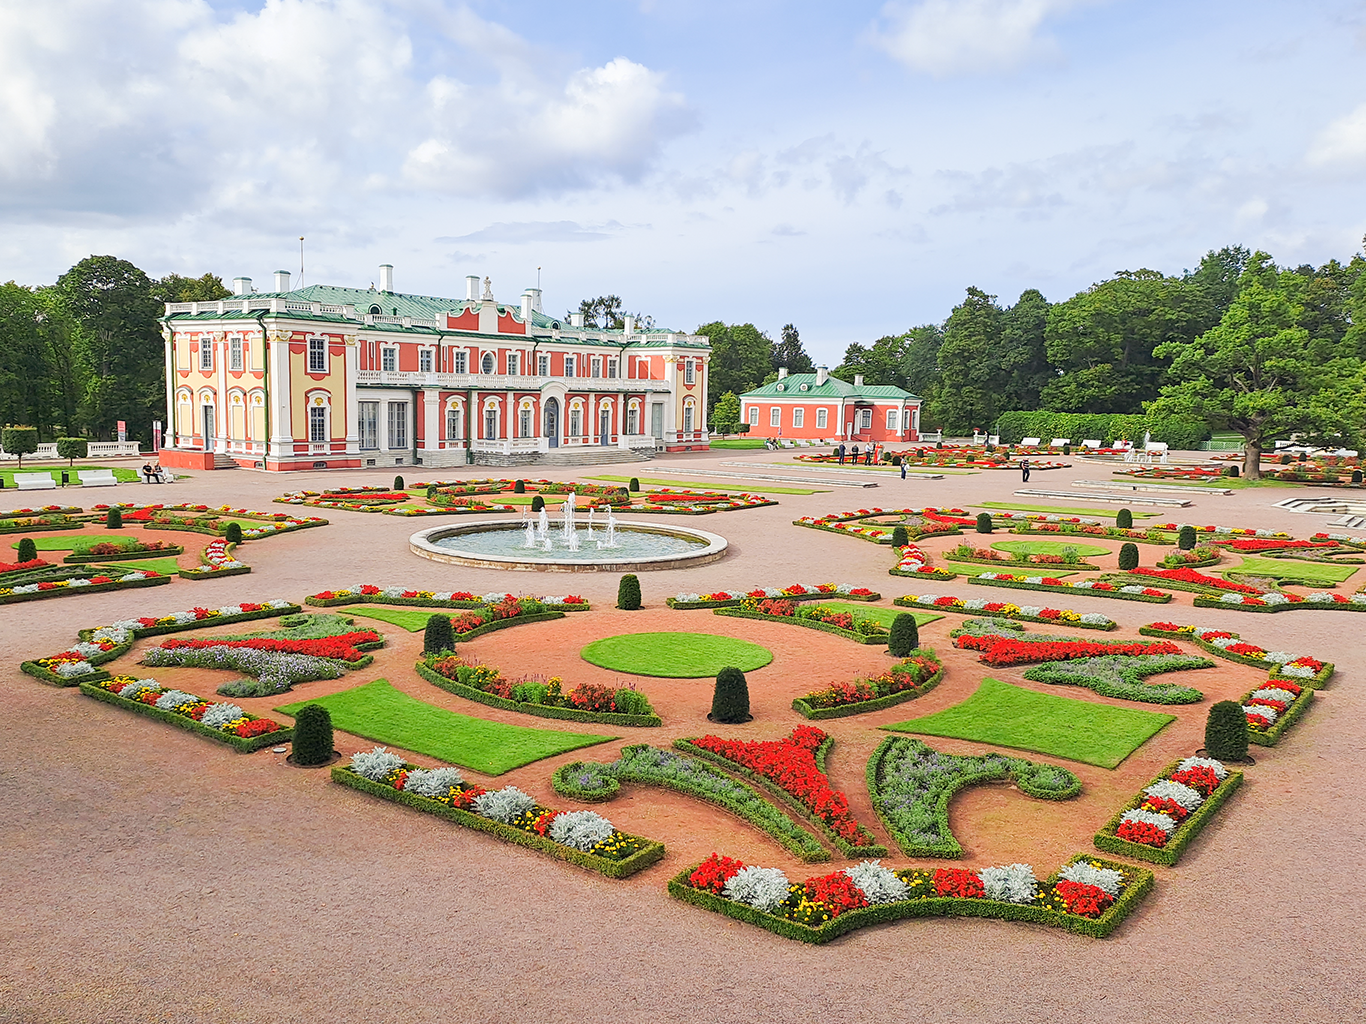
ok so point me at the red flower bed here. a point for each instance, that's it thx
(791, 764)
(714, 872)
(1086, 900)
(958, 882)
(1001, 651)
(1268, 544)
(837, 891)
(1199, 778)
(466, 621)
(16, 566)
(593, 697)
(340, 648)
(1162, 805)
(1191, 576)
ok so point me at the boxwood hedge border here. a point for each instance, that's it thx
(539, 710)
(654, 851)
(1140, 885)
(902, 602)
(1315, 682)
(125, 556)
(735, 602)
(949, 556)
(94, 588)
(422, 602)
(814, 714)
(1202, 601)
(1180, 838)
(824, 627)
(241, 744)
(1291, 715)
(1085, 592)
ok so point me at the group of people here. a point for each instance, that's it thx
(154, 474)
(870, 454)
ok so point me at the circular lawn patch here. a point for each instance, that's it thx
(1047, 547)
(675, 655)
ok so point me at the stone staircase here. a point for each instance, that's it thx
(592, 455)
(221, 461)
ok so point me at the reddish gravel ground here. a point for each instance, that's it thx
(151, 876)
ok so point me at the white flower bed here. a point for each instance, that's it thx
(1217, 767)
(376, 764)
(761, 888)
(1107, 879)
(1177, 792)
(879, 884)
(1155, 818)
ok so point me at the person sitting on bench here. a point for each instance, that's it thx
(160, 475)
(147, 472)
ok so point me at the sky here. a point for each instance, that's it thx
(846, 167)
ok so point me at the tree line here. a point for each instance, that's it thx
(79, 355)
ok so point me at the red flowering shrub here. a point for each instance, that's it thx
(837, 891)
(1082, 899)
(1003, 650)
(593, 697)
(958, 882)
(1199, 778)
(340, 648)
(777, 606)
(466, 621)
(714, 872)
(1164, 805)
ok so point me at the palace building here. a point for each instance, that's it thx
(325, 377)
(817, 405)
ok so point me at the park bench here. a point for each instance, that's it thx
(96, 477)
(34, 481)
(1031, 442)
(1092, 443)
(1058, 442)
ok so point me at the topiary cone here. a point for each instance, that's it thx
(899, 537)
(438, 635)
(28, 550)
(232, 533)
(905, 635)
(537, 503)
(983, 522)
(730, 700)
(1185, 538)
(1124, 519)
(113, 520)
(1226, 732)
(635, 483)
(312, 735)
(628, 593)
(519, 487)
(398, 483)
(1128, 556)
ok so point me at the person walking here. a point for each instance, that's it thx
(1024, 470)
(840, 452)
(855, 450)
(903, 469)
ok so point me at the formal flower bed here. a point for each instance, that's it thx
(1189, 579)
(912, 784)
(793, 767)
(794, 591)
(1301, 669)
(222, 721)
(698, 503)
(125, 549)
(644, 765)
(206, 519)
(46, 510)
(1273, 601)
(1001, 650)
(91, 584)
(1196, 558)
(1124, 676)
(1005, 610)
(584, 838)
(919, 523)
(1256, 544)
(1159, 823)
(218, 561)
(1088, 896)
(587, 702)
(365, 593)
(784, 609)
(916, 675)
(354, 499)
(912, 561)
(20, 567)
(1274, 708)
(990, 556)
(39, 523)
(1095, 588)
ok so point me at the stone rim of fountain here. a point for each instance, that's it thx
(536, 560)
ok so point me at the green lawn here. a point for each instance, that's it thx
(707, 485)
(1048, 547)
(1291, 569)
(74, 541)
(882, 616)
(377, 711)
(412, 620)
(675, 655)
(1054, 510)
(123, 476)
(1011, 716)
(738, 442)
(165, 566)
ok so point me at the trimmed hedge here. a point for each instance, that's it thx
(516, 620)
(1291, 715)
(684, 606)
(839, 842)
(904, 603)
(1184, 833)
(1180, 433)
(915, 534)
(421, 602)
(216, 620)
(539, 710)
(848, 634)
(1011, 563)
(876, 704)
(934, 906)
(94, 588)
(1314, 682)
(80, 559)
(506, 833)
(9, 527)
(1084, 592)
(1205, 601)
(243, 745)
(213, 574)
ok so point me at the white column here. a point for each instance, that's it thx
(281, 443)
(431, 419)
(352, 399)
(168, 432)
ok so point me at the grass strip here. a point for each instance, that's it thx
(1003, 715)
(538, 710)
(709, 486)
(1049, 547)
(377, 711)
(882, 616)
(1289, 570)
(413, 622)
(675, 655)
(1055, 510)
(1180, 838)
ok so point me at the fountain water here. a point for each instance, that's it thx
(543, 524)
(530, 531)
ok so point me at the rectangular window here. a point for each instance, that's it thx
(542, 366)
(753, 415)
(633, 420)
(514, 364)
(595, 367)
(490, 424)
(524, 423)
(775, 416)
(424, 360)
(452, 424)
(569, 360)
(317, 355)
(688, 377)
(575, 422)
(460, 361)
(891, 419)
(822, 418)
(388, 360)
(369, 425)
(235, 353)
(866, 419)
(206, 352)
(317, 424)
(799, 417)
(398, 423)
(611, 369)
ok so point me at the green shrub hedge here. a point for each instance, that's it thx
(241, 744)
(527, 708)
(1180, 838)
(1184, 434)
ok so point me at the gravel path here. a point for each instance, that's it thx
(151, 876)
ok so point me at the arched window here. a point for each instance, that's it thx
(455, 423)
(688, 415)
(488, 364)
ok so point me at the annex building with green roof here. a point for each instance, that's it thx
(816, 405)
(328, 377)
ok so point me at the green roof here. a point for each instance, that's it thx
(791, 387)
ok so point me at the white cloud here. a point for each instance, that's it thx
(946, 37)
(521, 232)
(1342, 143)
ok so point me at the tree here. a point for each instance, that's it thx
(605, 313)
(174, 288)
(1253, 372)
(919, 366)
(72, 448)
(969, 375)
(118, 344)
(36, 382)
(741, 356)
(790, 353)
(726, 416)
(879, 363)
(19, 441)
(1023, 355)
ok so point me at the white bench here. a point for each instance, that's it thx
(96, 477)
(1156, 451)
(785, 443)
(1031, 442)
(1093, 443)
(34, 481)
(1058, 442)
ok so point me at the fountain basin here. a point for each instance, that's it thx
(499, 544)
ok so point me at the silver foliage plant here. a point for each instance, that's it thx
(433, 782)
(1106, 879)
(582, 830)
(376, 764)
(503, 804)
(879, 884)
(218, 715)
(761, 888)
(1185, 797)
(1012, 883)
(174, 700)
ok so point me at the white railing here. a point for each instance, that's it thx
(505, 382)
(507, 445)
(97, 450)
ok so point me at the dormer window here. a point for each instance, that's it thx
(376, 311)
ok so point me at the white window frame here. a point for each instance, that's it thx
(753, 415)
(570, 361)
(397, 414)
(460, 361)
(524, 424)
(689, 374)
(892, 419)
(798, 417)
(488, 363)
(490, 423)
(368, 416)
(317, 424)
(454, 423)
(611, 369)
(388, 359)
(822, 419)
(575, 422)
(775, 416)
(514, 364)
(235, 352)
(688, 417)
(595, 367)
(865, 420)
(424, 360)
(205, 352)
(543, 365)
(317, 355)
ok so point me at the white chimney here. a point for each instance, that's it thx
(535, 294)
(822, 375)
(858, 380)
(241, 286)
(282, 280)
(471, 287)
(528, 303)
(629, 326)
(782, 372)
(575, 319)
(386, 277)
